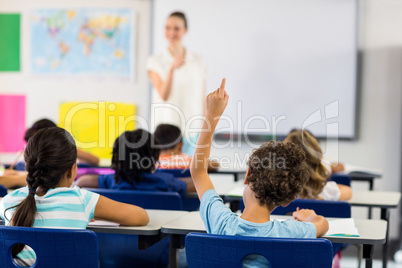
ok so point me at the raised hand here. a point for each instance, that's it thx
(217, 101)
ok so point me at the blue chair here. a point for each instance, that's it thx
(53, 247)
(144, 199)
(3, 191)
(120, 250)
(206, 250)
(340, 178)
(333, 209)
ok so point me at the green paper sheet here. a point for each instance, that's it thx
(10, 42)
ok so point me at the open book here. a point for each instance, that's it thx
(355, 170)
(342, 227)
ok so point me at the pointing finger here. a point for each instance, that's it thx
(222, 87)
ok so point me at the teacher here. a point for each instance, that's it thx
(178, 79)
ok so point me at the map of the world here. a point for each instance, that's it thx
(82, 41)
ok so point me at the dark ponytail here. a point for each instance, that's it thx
(134, 152)
(49, 154)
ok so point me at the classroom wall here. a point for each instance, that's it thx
(44, 95)
(379, 142)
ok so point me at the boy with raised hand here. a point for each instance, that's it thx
(276, 175)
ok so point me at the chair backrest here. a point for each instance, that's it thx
(340, 178)
(206, 250)
(53, 247)
(178, 173)
(144, 199)
(335, 209)
(3, 191)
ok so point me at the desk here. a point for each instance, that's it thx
(147, 235)
(372, 232)
(237, 174)
(369, 199)
(382, 200)
(360, 176)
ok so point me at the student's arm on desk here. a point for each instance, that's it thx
(346, 192)
(14, 179)
(215, 106)
(130, 215)
(87, 157)
(88, 181)
(308, 215)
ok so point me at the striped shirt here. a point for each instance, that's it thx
(60, 208)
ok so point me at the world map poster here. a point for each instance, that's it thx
(97, 41)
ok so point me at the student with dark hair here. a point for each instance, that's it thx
(49, 202)
(276, 174)
(82, 156)
(135, 155)
(178, 79)
(170, 141)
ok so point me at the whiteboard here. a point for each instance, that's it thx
(288, 63)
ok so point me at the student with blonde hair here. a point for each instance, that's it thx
(317, 187)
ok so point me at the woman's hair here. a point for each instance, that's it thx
(312, 149)
(168, 136)
(180, 15)
(42, 123)
(49, 154)
(134, 152)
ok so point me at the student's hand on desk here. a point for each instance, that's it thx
(217, 101)
(11, 172)
(303, 214)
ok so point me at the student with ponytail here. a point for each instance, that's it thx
(49, 202)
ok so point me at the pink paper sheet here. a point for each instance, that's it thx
(12, 123)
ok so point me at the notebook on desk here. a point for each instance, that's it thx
(342, 227)
(355, 170)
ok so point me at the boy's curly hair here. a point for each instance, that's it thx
(277, 173)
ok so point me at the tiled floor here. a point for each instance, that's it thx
(350, 262)
(349, 259)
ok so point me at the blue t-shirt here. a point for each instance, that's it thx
(219, 219)
(150, 182)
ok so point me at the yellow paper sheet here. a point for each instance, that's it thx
(96, 125)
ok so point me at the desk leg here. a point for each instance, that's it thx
(368, 255)
(371, 184)
(385, 216)
(174, 244)
(371, 188)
